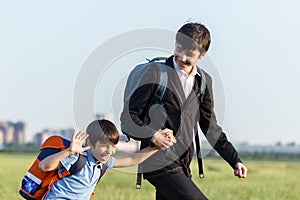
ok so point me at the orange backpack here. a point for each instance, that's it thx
(36, 182)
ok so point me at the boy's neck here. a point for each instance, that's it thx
(97, 161)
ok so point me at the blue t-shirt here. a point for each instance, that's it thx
(80, 185)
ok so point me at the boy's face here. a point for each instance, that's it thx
(102, 152)
(186, 58)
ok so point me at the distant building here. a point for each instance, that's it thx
(107, 116)
(39, 138)
(67, 133)
(123, 145)
(12, 133)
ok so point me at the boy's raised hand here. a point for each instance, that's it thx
(77, 141)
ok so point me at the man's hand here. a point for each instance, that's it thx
(163, 139)
(240, 170)
(77, 140)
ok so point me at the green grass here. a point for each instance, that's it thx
(266, 180)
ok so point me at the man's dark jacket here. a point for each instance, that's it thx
(175, 112)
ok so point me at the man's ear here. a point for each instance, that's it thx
(202, 55)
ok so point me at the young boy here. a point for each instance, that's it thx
(102, 137)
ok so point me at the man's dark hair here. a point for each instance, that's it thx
(103, 131)
(193, 36)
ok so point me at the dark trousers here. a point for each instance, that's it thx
(175, 186)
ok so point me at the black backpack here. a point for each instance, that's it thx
(133, 82)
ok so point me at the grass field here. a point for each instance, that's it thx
(266, 180)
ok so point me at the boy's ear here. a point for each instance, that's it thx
(88, 143)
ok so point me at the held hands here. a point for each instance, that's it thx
(240, 170)
(163, 139)
(77, 140)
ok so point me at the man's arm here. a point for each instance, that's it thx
(136, 102)
(52, 162)
(240, 170)
(215, 135)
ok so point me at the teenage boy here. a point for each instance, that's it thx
(182, 108)
(102, 137)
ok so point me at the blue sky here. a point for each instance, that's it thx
(255, 45)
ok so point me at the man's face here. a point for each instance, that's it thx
(102, 152)
(186, 58)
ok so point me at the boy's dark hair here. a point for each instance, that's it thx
(194, 36)
(103, 131)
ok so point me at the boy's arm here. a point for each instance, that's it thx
(135, 158)
(52, 162)
(140, 156)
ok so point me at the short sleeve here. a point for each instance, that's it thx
(69, 161)
(110, 163)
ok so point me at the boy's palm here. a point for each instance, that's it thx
(77, 140)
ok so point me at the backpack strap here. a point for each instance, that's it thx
(156, 99)
(163, 80)
(76, 167)
(138, 184)
(161, 88)
(56, 178)
(198, 153)
(203, 83)
(197, 138)
(153, 60)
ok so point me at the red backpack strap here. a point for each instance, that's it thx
(56, 178)
(56, 144)
(76, 167)
(59, 176)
